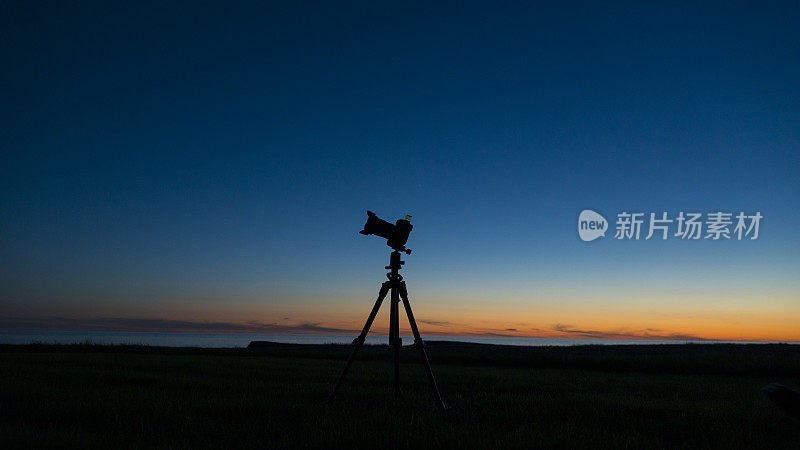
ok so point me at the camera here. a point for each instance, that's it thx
(396, 235)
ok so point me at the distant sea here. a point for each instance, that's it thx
(227, 340)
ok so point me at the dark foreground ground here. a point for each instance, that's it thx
(677, 396)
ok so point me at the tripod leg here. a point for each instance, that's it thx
(359, 341)
(420, 344)
(394, 336)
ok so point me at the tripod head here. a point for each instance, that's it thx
(395, 264)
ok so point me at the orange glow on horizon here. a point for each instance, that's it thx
(767, 329)
(565, 315)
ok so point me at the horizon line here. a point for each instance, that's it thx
(161, 325)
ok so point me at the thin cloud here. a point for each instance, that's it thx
(438, 323)
(143, 324)
(623, 333)
(498, 333)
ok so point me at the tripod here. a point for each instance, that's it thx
(398, 289)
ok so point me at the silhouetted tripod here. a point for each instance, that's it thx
(398, 289)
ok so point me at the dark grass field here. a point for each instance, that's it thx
(676, 396)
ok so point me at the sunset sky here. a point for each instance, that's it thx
(207, 165)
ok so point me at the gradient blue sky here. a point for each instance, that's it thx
(213, 161)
